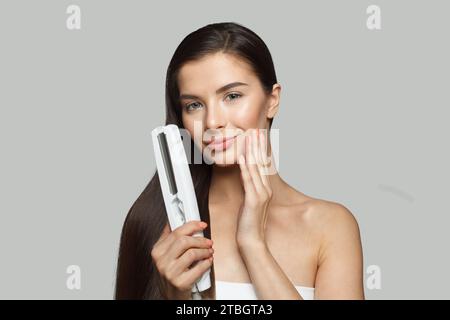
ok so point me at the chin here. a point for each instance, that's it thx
(224, 164)
(223, 160)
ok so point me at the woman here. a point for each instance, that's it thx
(269, 241)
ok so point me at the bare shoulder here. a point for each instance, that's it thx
(329, 216)
(331, 233)
(321, 221)
(335, 228)
(327, 219)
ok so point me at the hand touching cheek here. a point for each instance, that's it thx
(258, 193)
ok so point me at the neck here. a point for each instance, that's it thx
(226, 184)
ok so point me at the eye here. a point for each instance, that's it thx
(234, 96)
(192, 106)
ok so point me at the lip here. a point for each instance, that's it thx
(221, 144)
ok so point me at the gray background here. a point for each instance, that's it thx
(369, 110)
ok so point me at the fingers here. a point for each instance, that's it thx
(195, 273)
(184, 243)
(187, 229)
(264, 161)
(190, 258)
(177, 251)
(183, 272)
(257, 166)
(252, 166)
(245, 173)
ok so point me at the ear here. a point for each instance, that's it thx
(274, 101)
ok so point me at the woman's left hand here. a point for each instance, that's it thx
(258, 193)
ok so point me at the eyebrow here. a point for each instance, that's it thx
(218, 91)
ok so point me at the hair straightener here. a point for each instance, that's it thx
(177, 187)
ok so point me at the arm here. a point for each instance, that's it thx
(340, 265)
(268, 278)
(340, 269)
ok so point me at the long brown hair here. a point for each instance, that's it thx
(137, 276)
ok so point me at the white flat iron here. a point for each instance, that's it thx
(177, 187)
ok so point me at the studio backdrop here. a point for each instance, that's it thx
(362, 121)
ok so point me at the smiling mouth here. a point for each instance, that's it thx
(221, 144)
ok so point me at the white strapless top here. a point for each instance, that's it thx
(226, 290)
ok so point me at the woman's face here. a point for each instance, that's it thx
(222, 98)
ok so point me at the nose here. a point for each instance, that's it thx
(215, 116)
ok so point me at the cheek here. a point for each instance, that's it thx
(195, 128)
(249, 115)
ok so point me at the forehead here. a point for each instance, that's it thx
(212, 72)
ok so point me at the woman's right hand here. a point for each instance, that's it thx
(175, 252)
